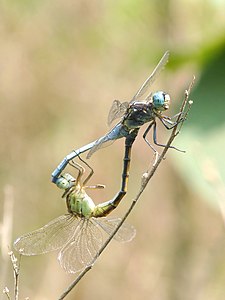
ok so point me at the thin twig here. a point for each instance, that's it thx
(145, 179)
(6, 292)
(16, 270)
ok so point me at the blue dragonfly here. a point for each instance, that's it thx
(133, 115)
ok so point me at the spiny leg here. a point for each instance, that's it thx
(155, 137)
(70, 180)
(91, 170)
(168, 123)
(174, 116)
(156, 153)
(145, 135)
(96, 186)
(80, 170)
(162, 145)
(105, 208)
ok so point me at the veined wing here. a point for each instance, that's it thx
(87, 240)
(117, 132)
(50, 237)
(117, 110)
(81, 249)
(149, 81)
(126, 232)
(100, 143)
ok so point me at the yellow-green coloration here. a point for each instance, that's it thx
(80, 234)
(79, 203)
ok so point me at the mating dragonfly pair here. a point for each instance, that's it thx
(78, 235)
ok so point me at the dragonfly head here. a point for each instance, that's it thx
(65, 181)
(161, 100)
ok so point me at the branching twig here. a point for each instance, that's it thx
(16, 269)
(145, 179)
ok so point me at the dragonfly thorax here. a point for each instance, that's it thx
(79, 203)
(139, 113)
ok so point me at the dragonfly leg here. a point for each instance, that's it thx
(90, 168)
(168, 123)
(96, 186)
(145, 136)
(105, 208)
(79, 168)
(173, 117)
(162, 145)
(156, 153)
(67, 182)
(155, 139)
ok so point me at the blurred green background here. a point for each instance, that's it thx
(62, 64)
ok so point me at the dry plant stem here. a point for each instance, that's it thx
(6, 293)
(16, 280)
(16, 269)
(145, 179)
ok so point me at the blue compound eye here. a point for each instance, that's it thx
(161, 101)
(158, 99)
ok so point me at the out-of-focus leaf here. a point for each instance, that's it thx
(204, 134)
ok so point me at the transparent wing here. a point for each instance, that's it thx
(117, 110)
(126, 232)
(149, 81)
(100, 143)
(50, 237)
(118, 131)
(82, 248)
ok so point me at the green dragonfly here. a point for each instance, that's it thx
(80, 234)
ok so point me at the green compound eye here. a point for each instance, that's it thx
(65, 181)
